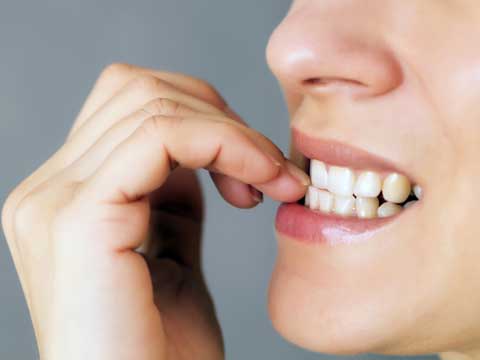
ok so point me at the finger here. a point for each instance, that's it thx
(113, 79)
(132, 97)
(94, 156)
(186, 141)
(236, 192)
(174, 236)
(233, 191)
(117, 76)
(174, 285)
(281, 188)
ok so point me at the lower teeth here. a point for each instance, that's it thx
(362, 207)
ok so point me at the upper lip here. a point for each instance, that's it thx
(334, 152)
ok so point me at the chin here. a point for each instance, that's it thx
(344, 285)
(333, 314)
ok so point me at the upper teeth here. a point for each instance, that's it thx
(333, 188)
(318, 174)
(369, 184)
(341, 180)
(396, 188)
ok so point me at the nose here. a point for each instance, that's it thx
(319, 50)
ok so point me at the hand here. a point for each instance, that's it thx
(123, 180)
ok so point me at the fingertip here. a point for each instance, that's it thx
(257, 195)
(235, 192)
(285, 187)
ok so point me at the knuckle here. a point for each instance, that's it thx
(152, 127)
(65, 223)
(162, 106)
(149, 85)
(7, 210)
(116, 71)
(14, 205)
(25, 214)
(158, 127)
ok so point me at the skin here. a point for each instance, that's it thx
(123, 176)
(401, 80)
(395, 78)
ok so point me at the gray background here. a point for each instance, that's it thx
(52, 51)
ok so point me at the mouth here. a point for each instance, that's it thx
(353, 193)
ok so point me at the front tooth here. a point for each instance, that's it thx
(341, 180)
(388, 209)
(311, 198)
(396, 188)
(366, 207)
(417, 190)
(317, 199)
(318, 174)
(344, 205)
(368, 184)
(325, 200)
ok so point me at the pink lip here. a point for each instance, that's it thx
(307, 226)
(340, 154)
(313, 227)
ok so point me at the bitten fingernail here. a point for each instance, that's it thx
(297, 173)
(257, 196)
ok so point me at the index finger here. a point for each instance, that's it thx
(161, 142)
(116, 76)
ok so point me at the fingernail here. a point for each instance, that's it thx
(275, 161)
(297, 173)
(257, 196)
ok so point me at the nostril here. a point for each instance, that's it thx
(325, 81)
(332, 85)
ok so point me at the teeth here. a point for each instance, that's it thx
(408, 204)
(341, 180)
(366, 207)
(396, 188)
(333, 188)
(417, 190)
(344, 205)
(368, 184)
(311, 198)
(325, 200)
(388, 209)
(318, 174)
(319, 199)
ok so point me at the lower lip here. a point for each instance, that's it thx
(304, 225)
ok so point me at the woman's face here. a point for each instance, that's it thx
(388, 86)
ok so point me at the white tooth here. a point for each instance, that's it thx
(325, 200)
(368, 184)
(311, 198)
(410, 203)
(388, 209)
(318, 174)
(417, 190)
(341, 180)
(317, 199)
(396, 188)
(344, 205)
(366, 207)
